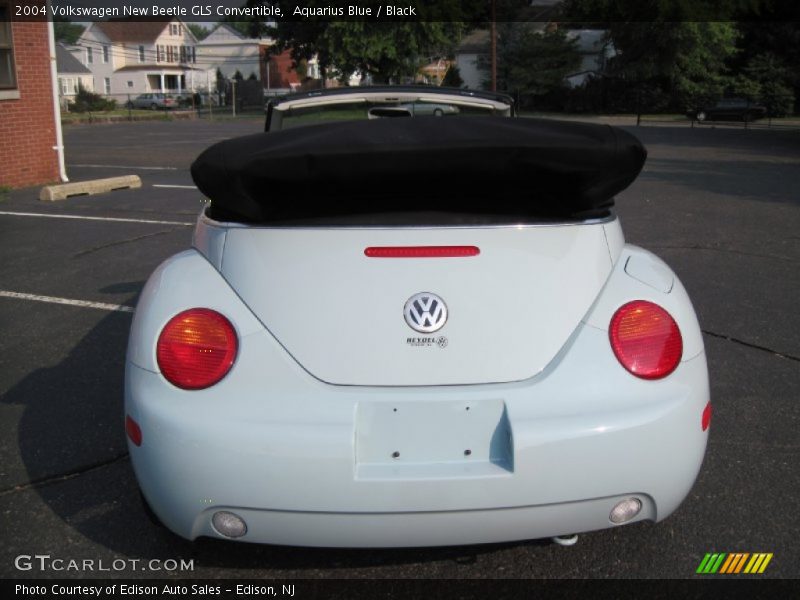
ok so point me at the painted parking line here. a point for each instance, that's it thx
(88, 218)
(170, 185)
(141, 168)
(67, 301)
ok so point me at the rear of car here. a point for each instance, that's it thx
(402, 365)
(153, 101)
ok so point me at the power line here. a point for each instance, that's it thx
(133, 54)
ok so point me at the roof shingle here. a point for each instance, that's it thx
(128, 30)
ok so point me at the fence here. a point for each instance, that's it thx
(243, 98)
(773, 105)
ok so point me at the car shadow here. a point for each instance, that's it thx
(71, 442)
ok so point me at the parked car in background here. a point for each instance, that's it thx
(431, 108)
(729, 109)
(379, 102)
(412, 109)
(368, 346)
(152, 101)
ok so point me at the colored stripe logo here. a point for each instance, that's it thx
(734, 563)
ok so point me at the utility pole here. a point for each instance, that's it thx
(493, 41)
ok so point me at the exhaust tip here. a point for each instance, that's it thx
(566, 540)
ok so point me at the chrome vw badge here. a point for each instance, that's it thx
(425, 312)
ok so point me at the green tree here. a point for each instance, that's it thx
(66, 31)
(674, 52)
(383, 50)
(684, 62)
(198, 31)
(765, 78)
(533, 63)
(770, 54)
(452, 78)
(701, 54)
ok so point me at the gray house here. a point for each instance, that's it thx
(71, 75)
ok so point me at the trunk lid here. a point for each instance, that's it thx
(341, 314)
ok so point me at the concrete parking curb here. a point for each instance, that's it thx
(94, 186)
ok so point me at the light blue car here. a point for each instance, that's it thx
(359, 351)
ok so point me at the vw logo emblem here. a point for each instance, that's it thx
(425, 312)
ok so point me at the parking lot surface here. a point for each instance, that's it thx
(720, 205)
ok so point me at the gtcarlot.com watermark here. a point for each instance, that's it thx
(48, 563)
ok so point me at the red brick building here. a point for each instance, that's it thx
(277, 71)
(27, 118)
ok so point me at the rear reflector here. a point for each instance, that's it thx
(646, 340)
(421, 251)
(229, 524)
(705, 420)
(624, 511)
(196, 348)
(133, 430)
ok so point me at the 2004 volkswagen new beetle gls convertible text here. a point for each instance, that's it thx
(414, 332)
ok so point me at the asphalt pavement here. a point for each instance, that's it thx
(720, 205)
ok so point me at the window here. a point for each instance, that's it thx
(105, 53)
(169, 54)
(173, 29)
(194, 55)
(8, 71)
(160, 53)
(68, 86)
(89, 57)
(141, 54)
(130, 84)
(183, 54)
(107, 85)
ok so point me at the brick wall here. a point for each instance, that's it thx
(27, 124)
(281, 74)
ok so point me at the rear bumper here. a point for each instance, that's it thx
(414, 529)
(307, 463)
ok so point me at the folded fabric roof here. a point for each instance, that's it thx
(529, 168)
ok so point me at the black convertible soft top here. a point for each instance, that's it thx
(522, 168)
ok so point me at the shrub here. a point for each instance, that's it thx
(86, 101)
(452, 78)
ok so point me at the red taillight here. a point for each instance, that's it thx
(705, 420)
(133, 430)
(421, 251)
(646, 340)
(196, 348)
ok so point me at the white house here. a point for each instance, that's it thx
(72, 75)
(229, 51)
(134, 57)
(471, 57)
